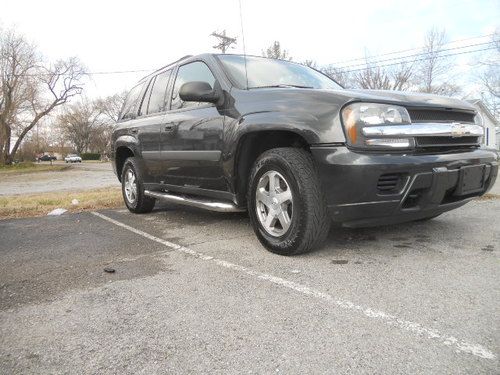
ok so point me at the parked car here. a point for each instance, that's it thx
(46, 158)
(73, 158)
(296, 150)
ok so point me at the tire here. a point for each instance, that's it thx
(307, 221)
(134, 199)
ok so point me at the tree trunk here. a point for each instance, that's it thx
(5, 157)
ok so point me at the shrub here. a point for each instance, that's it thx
(90, 156)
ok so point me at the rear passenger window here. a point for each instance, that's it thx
(145, 101)
(195, 71)
(130, 106)
(157, 101)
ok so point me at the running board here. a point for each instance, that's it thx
(200, 203)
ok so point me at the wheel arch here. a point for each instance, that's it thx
(252, 144)
(122, 153)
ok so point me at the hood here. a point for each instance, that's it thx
(409, 99)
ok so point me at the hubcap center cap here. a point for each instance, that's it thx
(275, 203)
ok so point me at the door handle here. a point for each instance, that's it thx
(169, 128)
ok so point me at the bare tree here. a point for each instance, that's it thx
(339, 75)
(310, 63)
(433, 71)
(275, 52)
(490, 78)
(110, 108)
(30, 89)
(88, 125)
(81, 125)
(393, 77)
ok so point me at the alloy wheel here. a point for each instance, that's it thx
(274, 203)
(130, 186)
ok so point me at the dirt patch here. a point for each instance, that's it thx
(489, 196)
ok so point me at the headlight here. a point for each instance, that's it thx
(356, 116)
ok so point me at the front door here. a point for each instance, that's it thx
(191, 139)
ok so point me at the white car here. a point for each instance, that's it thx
(72, 158)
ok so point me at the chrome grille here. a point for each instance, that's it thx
(418, 115)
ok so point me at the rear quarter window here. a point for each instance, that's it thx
(131, 103)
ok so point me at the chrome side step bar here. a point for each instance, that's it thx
(194, 202)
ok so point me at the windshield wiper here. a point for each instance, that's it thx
(281, 85)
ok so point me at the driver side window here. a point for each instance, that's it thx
(195, 71)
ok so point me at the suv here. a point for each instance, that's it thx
(290, 145)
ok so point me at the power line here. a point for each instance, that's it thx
(423, 59)
(83, 73)
(119, 72)
(401, 58)
(410, 49)
(414, 55)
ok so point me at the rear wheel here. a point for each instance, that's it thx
(285, 202)
(133, 188)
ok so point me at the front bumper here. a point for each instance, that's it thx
(426, 185)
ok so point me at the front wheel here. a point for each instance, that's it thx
(285, 202)
(133, 188)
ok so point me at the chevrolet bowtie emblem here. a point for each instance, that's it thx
(459, 130)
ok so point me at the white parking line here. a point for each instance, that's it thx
(392, 320)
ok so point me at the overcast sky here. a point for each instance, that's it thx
(128, 35)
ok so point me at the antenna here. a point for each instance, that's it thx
(244, 48)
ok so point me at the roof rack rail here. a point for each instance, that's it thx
(166, 66)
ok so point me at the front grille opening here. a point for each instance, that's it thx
(446, 141)
(431, 115)
(413, 198)
(391, 183)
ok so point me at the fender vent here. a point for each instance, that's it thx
(389, 183)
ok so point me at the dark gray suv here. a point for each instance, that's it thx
(293, 148)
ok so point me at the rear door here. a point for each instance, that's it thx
(191, 141)
(150, 119)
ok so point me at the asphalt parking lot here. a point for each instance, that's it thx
(194, 292)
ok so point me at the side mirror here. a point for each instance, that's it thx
(198, 91)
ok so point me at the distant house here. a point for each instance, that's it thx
(490, 123)
(58, 151)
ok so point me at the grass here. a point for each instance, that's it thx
(41, 204)
(28, 167)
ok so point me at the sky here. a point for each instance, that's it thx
(122, 35)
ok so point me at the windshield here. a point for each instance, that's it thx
(263, 72)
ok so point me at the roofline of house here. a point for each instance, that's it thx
(485, 109)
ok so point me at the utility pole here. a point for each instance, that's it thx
(224, 41)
